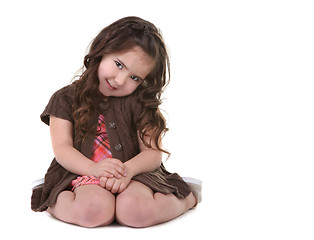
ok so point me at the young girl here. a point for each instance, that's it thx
(106, 131)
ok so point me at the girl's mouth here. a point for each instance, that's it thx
(111, 87)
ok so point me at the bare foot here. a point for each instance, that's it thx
(191, 201)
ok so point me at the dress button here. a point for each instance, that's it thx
(102, 106)
(112, 125)
(118, 147)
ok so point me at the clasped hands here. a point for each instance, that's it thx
(112, 173)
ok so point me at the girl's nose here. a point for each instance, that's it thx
(121, 79)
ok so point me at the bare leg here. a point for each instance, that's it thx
(87, 206)
(138, 206)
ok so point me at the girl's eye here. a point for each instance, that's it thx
(119, 65)
(135, 78)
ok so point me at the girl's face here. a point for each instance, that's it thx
(121, 73)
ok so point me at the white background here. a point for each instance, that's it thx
(239, 107)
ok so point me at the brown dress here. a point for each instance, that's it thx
(121, 115)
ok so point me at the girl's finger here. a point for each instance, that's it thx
(107, 174)
(120, 166)
(109, 183)
(103, 181)
(117, 172)
(122, 188)
(118, 162)
(115, 187)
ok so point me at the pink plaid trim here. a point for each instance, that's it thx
(101, 147)
(84, 180)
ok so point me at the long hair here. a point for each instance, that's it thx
(125, 34)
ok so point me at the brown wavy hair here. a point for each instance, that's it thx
(125, 34)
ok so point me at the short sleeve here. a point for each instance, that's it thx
(60, 105)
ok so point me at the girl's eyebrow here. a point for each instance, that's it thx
(122, 63)
(127, 68)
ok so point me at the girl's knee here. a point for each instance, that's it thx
(134, 212)
(95, 212)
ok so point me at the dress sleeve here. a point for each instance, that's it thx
(60, 105)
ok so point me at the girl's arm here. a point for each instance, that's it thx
(61, 132)
(147, 160)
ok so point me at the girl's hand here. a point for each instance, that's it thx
(110, 167)
(115, 185)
